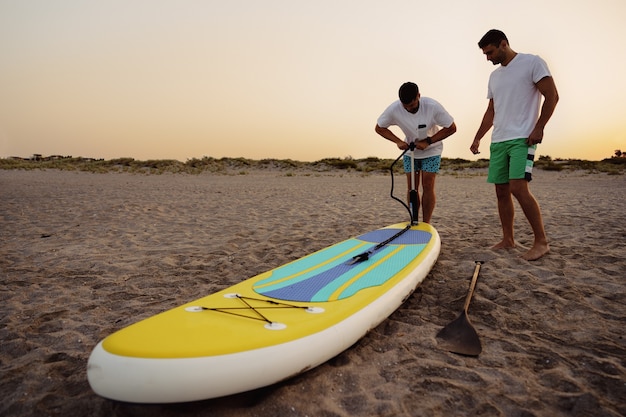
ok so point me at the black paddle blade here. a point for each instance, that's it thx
(459, 336)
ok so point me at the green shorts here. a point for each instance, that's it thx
(511, 160)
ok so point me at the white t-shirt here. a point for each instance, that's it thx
(425, 122)
(516, 98)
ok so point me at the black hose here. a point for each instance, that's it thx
(392, 186)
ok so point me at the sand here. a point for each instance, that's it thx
(82, 255)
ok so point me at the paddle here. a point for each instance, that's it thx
(459, 336)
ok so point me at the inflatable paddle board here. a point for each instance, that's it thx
(268, 328)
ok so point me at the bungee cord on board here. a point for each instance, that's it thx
(247, 307)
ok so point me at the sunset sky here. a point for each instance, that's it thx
(156, 79)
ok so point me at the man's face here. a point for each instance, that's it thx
(495, 54)
(412, 106)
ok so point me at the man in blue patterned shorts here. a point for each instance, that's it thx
(514, 92)
(426, 123)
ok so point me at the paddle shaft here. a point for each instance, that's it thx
(472, 285)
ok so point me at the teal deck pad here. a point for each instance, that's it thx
(317, 277)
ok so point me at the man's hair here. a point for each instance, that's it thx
(408, 92)
(493, 37)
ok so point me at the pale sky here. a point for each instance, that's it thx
(304, 80)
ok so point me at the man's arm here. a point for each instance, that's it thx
(550, 94)
(441, 134)
(389, 135)
(485, 125)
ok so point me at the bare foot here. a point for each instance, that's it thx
(536, 252)
(504, 244)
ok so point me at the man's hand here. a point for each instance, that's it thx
(535, 137)
(421, 145)
(474, 147)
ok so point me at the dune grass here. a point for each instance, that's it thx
(241, 166)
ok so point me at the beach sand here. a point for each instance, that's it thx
(83, 255)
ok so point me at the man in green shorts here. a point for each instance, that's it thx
(518, 119)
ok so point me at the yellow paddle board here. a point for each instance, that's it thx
(269, 327)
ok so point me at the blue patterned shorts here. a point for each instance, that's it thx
(430, 164)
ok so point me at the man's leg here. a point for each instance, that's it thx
(429, 198)
(506, 210)
(532, 211)
(430, 168)
(499, 175)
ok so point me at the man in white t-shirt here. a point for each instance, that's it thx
(426, 123)
(518, 119)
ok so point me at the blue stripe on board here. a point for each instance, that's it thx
(377, 276)
(295, 271)
(307, 286)
(410, 237)
(323, 278)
